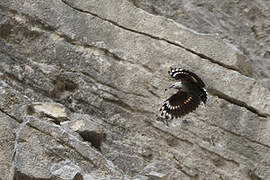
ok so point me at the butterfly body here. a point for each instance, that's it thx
(188, 97)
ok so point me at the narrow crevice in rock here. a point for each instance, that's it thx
(11, 116)
(231, 100)
(56, 122)
(155, 37)
(221, 157)
(98, 111)
(93, 137)
(119, 103)
(153, 93)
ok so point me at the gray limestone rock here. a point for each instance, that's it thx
(81, 83)
(245, 24)
(89, 128)
(8, 128)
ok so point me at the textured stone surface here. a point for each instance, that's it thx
(81, 83)
(244, 23)
(7, 143)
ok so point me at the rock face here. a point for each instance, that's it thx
(244, 23)
(81, 83)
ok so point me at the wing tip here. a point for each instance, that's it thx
(173, 72)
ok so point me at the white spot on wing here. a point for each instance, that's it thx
(175, 74)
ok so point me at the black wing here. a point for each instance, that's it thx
(179, 105)
(186, 76)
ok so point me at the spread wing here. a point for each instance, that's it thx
(179, 105)
(186, 76)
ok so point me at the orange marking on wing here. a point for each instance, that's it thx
(188, 100)
(194, 79)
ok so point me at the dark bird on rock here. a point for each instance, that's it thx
(191, 91)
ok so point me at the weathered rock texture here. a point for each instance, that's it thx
(81, 83)
(244, 23)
